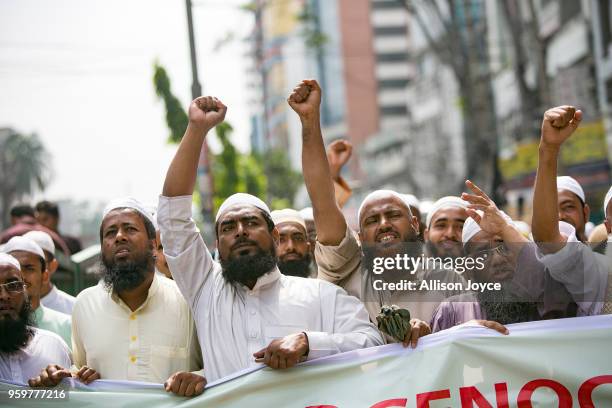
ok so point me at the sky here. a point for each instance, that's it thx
(79, 74)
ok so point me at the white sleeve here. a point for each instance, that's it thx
(348, 324)
(188, 258)
(580, 270)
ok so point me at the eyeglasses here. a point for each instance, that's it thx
(500, 249)
(14, 287)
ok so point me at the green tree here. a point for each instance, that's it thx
(176, 117)
(283, 181)
(24, 168)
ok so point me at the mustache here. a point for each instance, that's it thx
(243, 240)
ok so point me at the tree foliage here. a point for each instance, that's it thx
(24, 168)
(176, 117)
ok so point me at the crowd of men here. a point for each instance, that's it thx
(287, 286)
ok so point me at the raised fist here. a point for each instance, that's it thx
(338, 153)
(206, 112)
(305, 99)
(558, 124)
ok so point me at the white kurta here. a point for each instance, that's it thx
(149, 344)
(59, 300)
(43, 349)
(234, 322)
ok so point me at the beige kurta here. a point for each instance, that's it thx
(341, 265)
(149, 344)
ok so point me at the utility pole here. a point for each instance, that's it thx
(205, 178)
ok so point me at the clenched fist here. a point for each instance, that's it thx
(305, 99)
(206, 112)
(185, 384)
(338, 153)
(285, 352)
(558, 124)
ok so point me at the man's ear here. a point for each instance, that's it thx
(415, 224)
(426, 234)
(587, 212)
(276, 236)
(46, 276)
(52, 267)
(608, 224)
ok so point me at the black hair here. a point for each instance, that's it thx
(265, 215)
(150, 228)
(21, 210)
(49, 208)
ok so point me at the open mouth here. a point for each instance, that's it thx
(387, 237)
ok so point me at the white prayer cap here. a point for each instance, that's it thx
(425, 206)
(570, 184)
(152, 209)
(43, 240)
(607, 200)
(376, 195)
(9, 260)
(287, 215)
(307, 214)
(444, 202)
(471, 227)
(128, 202)
(20, 243)
(241, 199)
(411, 200)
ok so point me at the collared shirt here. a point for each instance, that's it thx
(149, 344)
(234, 321)
(341, 265)
(43, 349)
(58, 300)
(54, 321)
(583, 272)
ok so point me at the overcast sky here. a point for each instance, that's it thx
(79, 73)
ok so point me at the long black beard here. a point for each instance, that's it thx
(296, 267)
(123, 276)
(504, 307)
(15, 334)
(248, 268)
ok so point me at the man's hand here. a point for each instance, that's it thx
(185, 384)
(285, 352)
(206, 112)
(86, 375)
(492, 220)
(418, 330)
(50, 376)
(558, 124)
(489, 324)
(305, 99)
(338, 153)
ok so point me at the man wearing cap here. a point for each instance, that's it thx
(584, 273)
(52, 297)
(293, 249)
(34, 270)
(134, 325)
(245, 309)
(573, 208)
(24, 349)
(443, 227)
(502, 256)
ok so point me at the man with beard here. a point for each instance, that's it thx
(134, 325)
(583, 272)
(443, 227)
(51, 296)
(387, 229)
(501, 255)
(293, 249)
(245, 309)
(24, 350)
(34, 270)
